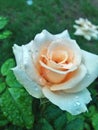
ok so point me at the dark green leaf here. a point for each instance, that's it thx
(3, 22)
(16, 105)
(76, 124)
(8, 64)
(52, 112)
(13, 127)
(43, 124)
(3, 120)
(60, 122)
(87, 126)
(2, 87)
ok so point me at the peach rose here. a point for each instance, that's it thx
(53, 66)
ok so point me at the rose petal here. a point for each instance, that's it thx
(91, 62)
(32, 87)
(56, 71)
(24, 60)
(17, 50)
(69, 46)
(63, 35)
(29, 67)
(73, 81)
(58, 66)
(43, 39)
(73, 103)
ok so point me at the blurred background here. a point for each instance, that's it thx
(21, 20)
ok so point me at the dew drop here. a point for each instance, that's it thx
(36, 89)
(77, 97)
(78, 103)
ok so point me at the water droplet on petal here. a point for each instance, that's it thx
(77, 97)
(78, 103)
(36, 89)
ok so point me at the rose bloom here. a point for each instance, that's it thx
(86, 29)
(54, 66)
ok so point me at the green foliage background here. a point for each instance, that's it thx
(18, 110)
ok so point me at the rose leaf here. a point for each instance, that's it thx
(95, 121)
(11, 80)
(7, 65)
(60, 122)
(43, 124)
(16, 106)
(77, 123)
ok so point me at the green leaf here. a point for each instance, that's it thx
(43, 124)
(91, 111)
(5, 34)
(13, 127)
(52, 112)
(8, 64)
(3, 22)
(95, 121)
(76, 124)
(16, 105)
(70, 117)
(3, 120)
(60, 122)
(2, 87)
(11, 80)
(87, 126)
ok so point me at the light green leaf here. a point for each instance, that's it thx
(16, 105)
(95, 121)
(5, 34)
(3, 22)
(70, 117)
(11, 80)
(8, 64)
(91, 111)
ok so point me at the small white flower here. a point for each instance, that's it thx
(86, 29)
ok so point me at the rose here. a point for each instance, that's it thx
(53, 66)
